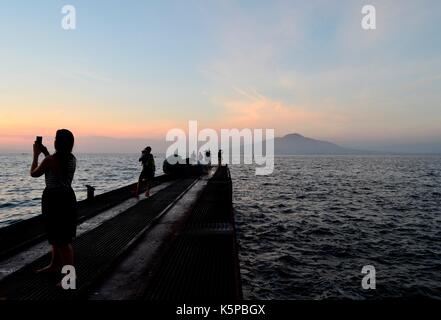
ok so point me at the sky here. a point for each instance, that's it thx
(132, 70)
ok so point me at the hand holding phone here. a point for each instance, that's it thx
(39, 145)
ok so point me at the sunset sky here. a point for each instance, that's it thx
(134, 69)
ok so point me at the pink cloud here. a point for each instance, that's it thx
(251, 109)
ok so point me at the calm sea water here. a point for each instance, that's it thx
(20, 194)
(306, 231)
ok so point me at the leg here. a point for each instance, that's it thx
(138, 186)
(66, 254)
(149, 181)
(55, 263)
(147, 192)
(67, 257)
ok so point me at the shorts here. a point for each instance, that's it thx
(59, 207)
(147, 174)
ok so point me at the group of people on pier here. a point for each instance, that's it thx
(59, 209)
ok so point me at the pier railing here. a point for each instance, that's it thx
(24, 233)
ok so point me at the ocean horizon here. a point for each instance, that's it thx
(305, 231)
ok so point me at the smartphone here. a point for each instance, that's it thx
(39, 140)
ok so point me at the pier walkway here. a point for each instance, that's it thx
(20, 235)
(178, 244)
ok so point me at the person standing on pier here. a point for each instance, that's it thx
(208, 157)
(58, 202)
(219, 157)
(148, 170)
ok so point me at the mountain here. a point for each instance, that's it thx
(294, 143)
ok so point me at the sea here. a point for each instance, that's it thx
(318, 227)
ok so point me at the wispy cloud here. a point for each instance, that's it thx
(89, 75)
(323, 74)
(303, 66)
(249, 108)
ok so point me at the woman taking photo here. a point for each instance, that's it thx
(58, 201)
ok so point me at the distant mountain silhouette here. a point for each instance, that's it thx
(294, 143)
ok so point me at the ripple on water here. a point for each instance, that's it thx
(308, 237)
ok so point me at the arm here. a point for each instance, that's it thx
(44, 151)
(38, 170)
(143, 158)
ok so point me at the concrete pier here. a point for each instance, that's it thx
(179, 244)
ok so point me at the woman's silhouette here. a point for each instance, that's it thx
(148, 170)
(58, 201)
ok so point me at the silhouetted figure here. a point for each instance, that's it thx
(208, 157)
(219, 157)
(200, 158)
(193, 158)
(148, 170)
(171, 164)
(58, 201)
